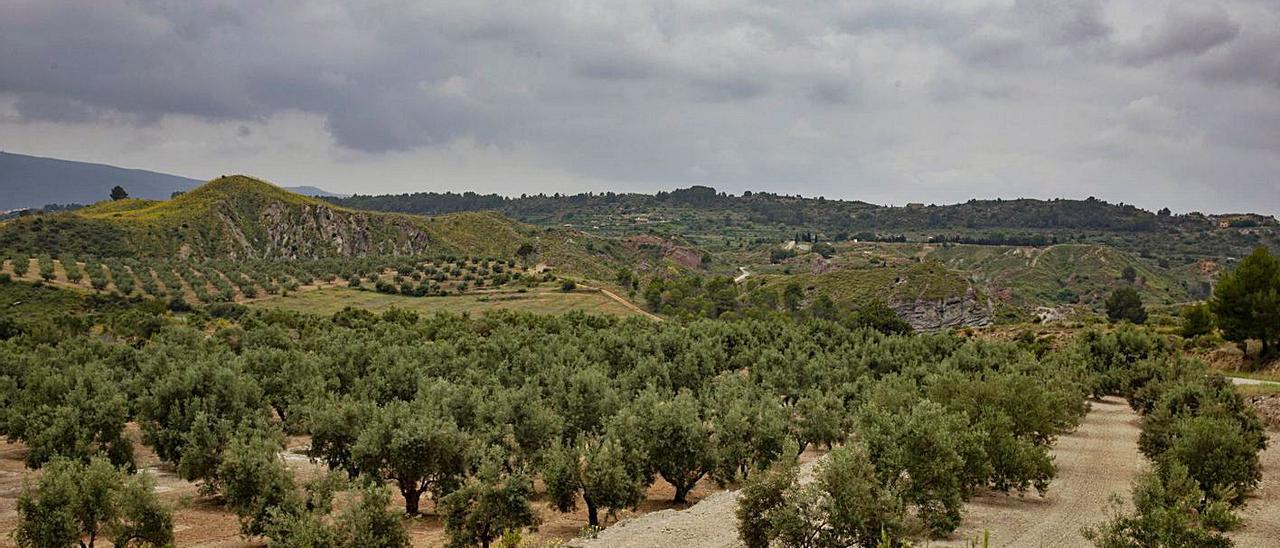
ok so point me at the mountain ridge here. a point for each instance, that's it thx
(29, 182)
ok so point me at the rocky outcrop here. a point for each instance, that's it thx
(288, 231)
(951, 312)
(684, 256)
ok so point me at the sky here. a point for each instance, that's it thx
(1151, 102)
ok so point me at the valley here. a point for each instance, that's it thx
(605, 377)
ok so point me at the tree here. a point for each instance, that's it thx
(75, 411)
(600, 469)
(76, 503)
(920, 456)
(366, 523)
(1167, 512)
(749, 427)
(118, 193)
(1129, 274)
(255, 483)
(817, 419)
(188, 414)
(417, 447)
(878, 315)
(492, 502)
(369, 524)
(1246, 301)
(678, 440)
(525, 251)
(1197, 320)
(846, 505)
(792, 294)
(762, 494)
(1217, 455)
(1125, 304)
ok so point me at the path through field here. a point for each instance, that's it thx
(1098, 459)
(630, 305)
(1262, 511)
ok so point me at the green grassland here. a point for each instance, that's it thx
(1064, 274)
(1017, 275)
(900, 282)
(538, 300)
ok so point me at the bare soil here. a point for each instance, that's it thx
(708, 524)
(1098, 459)
(202, 521)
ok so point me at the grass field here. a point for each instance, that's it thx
(540, 300)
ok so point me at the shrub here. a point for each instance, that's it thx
(846, 505)
(1197, 320)
(1168, 511)
(1125, 304)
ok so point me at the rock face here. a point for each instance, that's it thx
(321, 231)
(950, 312)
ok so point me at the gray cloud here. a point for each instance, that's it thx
(910, 100)
(1188, 29)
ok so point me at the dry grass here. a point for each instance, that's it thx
(538, 300)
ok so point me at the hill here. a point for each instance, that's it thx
(32, 182)
(35, 182)
(239, 217)
(720, 222)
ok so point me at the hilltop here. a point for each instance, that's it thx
(36, 182)
(240, 217)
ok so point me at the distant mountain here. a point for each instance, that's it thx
(313, 191)
(33, 182)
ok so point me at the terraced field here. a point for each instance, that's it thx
(539, 300)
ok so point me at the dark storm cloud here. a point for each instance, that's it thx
(876, 100)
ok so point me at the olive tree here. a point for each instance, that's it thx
(845, 505)
(600, 469)
(414, 446)
(189, 414)
(78, 503)
(1167, 511)
(678, 440)
(76, 412)
(490, 503)
(921, 456)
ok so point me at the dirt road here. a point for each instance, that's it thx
(710, 523)
(1098, 459)
(627, 303)
(1261, 514)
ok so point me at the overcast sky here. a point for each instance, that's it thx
(1151, 102)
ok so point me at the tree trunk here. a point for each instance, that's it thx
(593, 514)
(682, 492)
(412, 497)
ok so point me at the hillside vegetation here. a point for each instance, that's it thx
(723, 221)
(239, 217)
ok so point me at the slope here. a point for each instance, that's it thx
(32, 181)
(239, 217)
